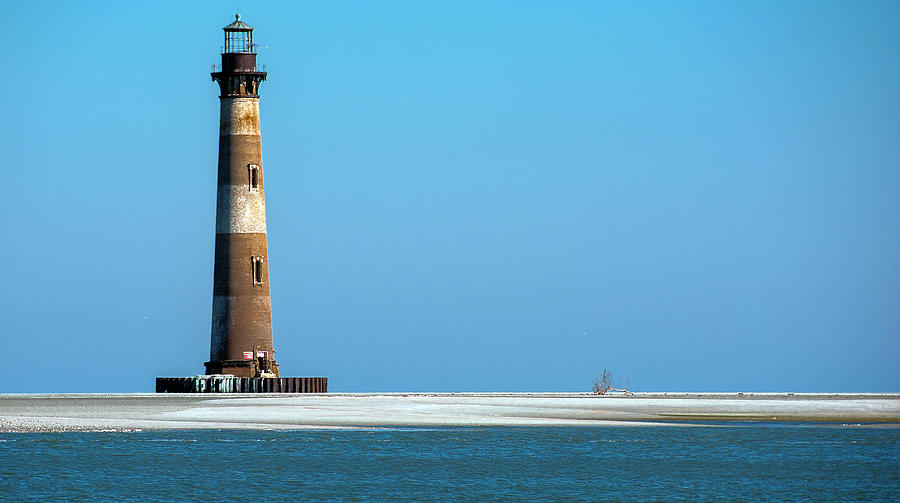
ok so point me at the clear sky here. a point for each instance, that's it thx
(464, 196)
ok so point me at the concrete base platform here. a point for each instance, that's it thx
(230, 384)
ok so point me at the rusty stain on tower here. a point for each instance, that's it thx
(241, 344)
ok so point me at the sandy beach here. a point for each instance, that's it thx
(129, 412)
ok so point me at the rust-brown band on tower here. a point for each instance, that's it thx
(241, 341)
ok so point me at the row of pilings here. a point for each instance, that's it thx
(232, 384)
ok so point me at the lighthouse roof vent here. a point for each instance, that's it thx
(238, 25)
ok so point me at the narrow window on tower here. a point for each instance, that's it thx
(253, 170)
(256, 269)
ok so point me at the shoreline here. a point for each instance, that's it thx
(151, 411)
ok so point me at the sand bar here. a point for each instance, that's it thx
(150, 411)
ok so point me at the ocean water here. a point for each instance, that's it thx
(755, 462)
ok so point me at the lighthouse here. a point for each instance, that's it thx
(241, 340)
(241, 352)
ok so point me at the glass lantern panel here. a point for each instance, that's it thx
(238, 41)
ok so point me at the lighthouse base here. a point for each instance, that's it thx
(243, 368)
(233, 384)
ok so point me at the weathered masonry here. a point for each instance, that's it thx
(242, 352)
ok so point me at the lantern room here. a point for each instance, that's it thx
(238, 75)
(238, 37)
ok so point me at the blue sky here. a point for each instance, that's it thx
(465, 196)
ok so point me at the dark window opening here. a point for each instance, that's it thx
(254, 176)
(256, 270)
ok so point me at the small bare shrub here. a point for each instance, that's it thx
(606, 384)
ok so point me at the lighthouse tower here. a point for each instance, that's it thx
(241, 342)
(241, 354)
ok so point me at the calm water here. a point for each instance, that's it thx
(752, 463)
